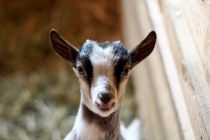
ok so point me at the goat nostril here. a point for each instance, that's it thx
(105, 97)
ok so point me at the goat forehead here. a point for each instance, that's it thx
(105, 52)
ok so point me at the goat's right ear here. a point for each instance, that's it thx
(143, 49)
(63, 47)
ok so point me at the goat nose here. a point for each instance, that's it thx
(105, 97)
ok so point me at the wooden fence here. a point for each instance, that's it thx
(173, 85)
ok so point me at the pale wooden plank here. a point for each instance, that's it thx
(147, 103)
(193, 62)
(171, 70)
(193, 109)
(156, 107)
(190, 21)
(159, 82)
(197, 14)
(162, 92)
(192, 100)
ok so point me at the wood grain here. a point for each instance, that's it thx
(173, 85)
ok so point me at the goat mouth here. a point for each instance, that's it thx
(103, 107)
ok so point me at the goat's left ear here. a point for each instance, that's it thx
(143, 49)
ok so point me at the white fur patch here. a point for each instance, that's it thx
(99, 87)
(101, 56)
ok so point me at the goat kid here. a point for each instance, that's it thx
(103, 70)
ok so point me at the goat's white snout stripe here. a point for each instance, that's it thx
(100, 86)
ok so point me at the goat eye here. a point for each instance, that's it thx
(125, 71)
(80, 70)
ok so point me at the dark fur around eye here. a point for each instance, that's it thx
(80, 70)
(121, 69)
(125, 71)
(86, 69)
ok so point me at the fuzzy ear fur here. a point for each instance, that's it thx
(143, 49)
(63, 47)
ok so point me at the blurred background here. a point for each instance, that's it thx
(39, 94)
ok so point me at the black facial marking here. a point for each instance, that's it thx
(121, 63)
(104, 44)
(119, 49)
(87, 67)
(87, 48)
(119, 70)
(83, 57)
